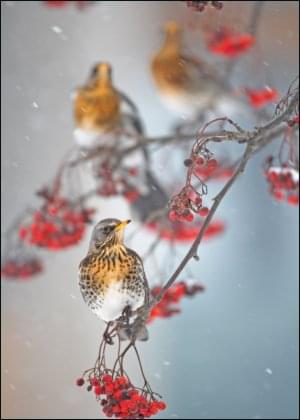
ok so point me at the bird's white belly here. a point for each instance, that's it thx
(187, 104)
(91, 138)
(115, 302)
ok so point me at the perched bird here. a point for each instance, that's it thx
(99, 109)
(100, 113)
(112, 279)
(185, 84)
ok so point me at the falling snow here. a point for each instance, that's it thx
(57, 29)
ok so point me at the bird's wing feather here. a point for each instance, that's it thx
(84, 273)
(146, 285)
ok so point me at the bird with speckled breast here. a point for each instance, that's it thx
(112, 277)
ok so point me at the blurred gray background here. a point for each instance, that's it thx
(233, 352)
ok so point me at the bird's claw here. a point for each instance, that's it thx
(126, 314)
(108, 339)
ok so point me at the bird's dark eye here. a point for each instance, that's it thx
(107, 229)
(94, 72)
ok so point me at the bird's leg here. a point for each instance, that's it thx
(106, 335)
(126, 314)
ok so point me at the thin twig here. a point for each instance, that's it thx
(255, 142)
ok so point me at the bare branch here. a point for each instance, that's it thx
(255, 140)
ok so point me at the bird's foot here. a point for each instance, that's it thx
(107, 335)
(108, 339)
(126, 314)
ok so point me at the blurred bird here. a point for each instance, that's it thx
(111, 277)
(185, 84)
(99, 110)
(100, 113)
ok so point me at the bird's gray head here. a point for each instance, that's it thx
(107, 232)
(101, 72)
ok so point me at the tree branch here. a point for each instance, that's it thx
(255, 140)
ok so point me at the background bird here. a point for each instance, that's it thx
(100, 110)
(112, 277)
(186, 85)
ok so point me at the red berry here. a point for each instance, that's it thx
(133, 171)
(131, 195)
(154, 408)
(107, 378)
(212, 164)
(79, 381)
(121, 380)
(54, 4)
(173, 216)
(116, 410)
(124, 405)
(189, 217)
(52, 210)
(293, 199)
(144, 412)
(198, 201)
(200, 160)
(94, 382)
(278, 195)
(203, 211)
(134, 395)
(23, 232)
(109, 388)
(98, 390)
(162, 405)
(117, 395)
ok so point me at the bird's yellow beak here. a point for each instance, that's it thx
(122, 225)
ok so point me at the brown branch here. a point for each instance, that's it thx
(255, 142)
(217, 200)
(145, 141)
(254, 20)
(252, 29)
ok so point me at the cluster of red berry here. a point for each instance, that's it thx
(118, 184)
(189, 200)
(284, 183)
(230, 44)
(205, 167)
(21, 269)
(199, 6)
(58, 225)
(121, 400)
(165, 308)
(259, 98)
(182, 232)
(183, 205)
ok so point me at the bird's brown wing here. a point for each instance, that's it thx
(140, 267)
(85, 267)
(205, 70)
